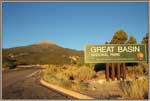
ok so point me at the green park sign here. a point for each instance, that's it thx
(115, 53)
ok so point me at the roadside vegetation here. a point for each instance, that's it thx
(137, 85)
(69, 76)
(136, 89)
(78, 78)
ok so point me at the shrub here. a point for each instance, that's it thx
(76, 73)
(50, 78)
(136, 89)
(80, 85)
(84, 73)
(69, 76)
(80, 62)
(12, 65)
(63, 75)
(140, 69)
(65, 83)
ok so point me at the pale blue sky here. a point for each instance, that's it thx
(71, 25)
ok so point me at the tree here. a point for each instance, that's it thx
(132, 40)
(120, 37)
(145, 39)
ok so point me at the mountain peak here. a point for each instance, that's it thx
(46, 42)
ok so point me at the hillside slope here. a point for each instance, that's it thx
(40, 53)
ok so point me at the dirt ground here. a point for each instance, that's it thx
(102, 89)
(105, 90)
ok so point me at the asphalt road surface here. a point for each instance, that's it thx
(24, 84)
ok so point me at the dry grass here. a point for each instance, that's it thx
(141, 69)
(136, 89)
(84, 73)
(73, 77)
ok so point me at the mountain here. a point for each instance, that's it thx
(46, 42)
(44, 52)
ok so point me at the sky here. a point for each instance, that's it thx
(71, 25)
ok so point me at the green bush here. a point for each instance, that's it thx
(12, 65)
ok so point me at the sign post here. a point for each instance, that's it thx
(115, 53)
(118, 71)
(107, 72)
(124, 71)
(113, 72)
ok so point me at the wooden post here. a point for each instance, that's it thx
(124, 71)
(107, 72)
(118, 71)
(113, 72)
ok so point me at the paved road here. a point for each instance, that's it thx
(24, 84)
